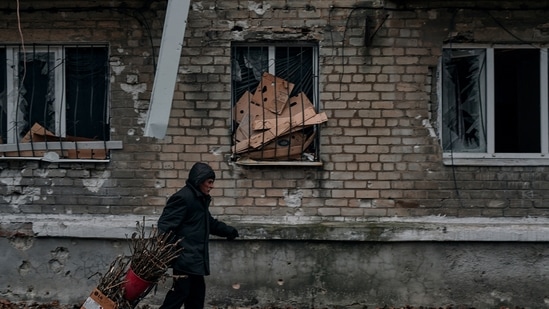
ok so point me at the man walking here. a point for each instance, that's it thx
(187, 217)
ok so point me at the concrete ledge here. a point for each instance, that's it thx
(370, 229)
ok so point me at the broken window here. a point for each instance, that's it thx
(492, 102)
(275, 102)
(51, 96)
(463, 100)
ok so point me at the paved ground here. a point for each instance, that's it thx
(6, 304)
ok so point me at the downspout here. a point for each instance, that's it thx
(173, 34)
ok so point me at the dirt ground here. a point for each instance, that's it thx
(6, 304)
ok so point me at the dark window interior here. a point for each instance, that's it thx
(85, 91)
(87, 80)
(3, 98)
(517, 101)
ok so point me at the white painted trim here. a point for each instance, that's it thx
(490, 102)
(385, 229)
(544, 101)
(60, 145)
(165, 77)
(499, 159)
(51, 147)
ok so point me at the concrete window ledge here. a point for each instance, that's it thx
(434, 228)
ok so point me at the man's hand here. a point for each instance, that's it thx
(232, 234)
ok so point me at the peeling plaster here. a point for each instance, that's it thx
(142, 119)
(219, 150)
(17, 198)
(132, 79)
(10, 178)
(427, 124)
(242, 23)
(134, 90)
(42, 173)
(198, 6)
(15, 194)
(258, 8)
(237, 35)
(292, 198)
(94, 184)
(117, 66)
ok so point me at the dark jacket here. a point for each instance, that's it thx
(187, 216)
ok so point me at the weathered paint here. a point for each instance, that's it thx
(260, 273)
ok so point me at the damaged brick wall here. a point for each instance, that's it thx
(88, 186)
(380, 151)
(379, 147)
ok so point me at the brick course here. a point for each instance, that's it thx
(378, 154)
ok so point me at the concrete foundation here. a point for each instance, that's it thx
(263, 268)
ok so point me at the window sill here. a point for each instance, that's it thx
(60, 151)
(250, 162)
(500, 159)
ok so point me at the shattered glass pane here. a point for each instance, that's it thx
(463, 100)
(36, 95)
(54, 93)
(248, 64)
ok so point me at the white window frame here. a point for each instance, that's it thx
(13, 143)
(490, 157)
(271, 52)
(13, 91)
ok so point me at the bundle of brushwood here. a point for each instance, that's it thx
(152, 256)
(130, 278)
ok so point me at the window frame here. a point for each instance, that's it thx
(491, 157)
(315, 100)
(13, 89)
(50, 149)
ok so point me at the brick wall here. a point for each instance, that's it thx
(380, 149)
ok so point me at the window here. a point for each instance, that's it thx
(275, 102)
(495, 106)
(54, 99)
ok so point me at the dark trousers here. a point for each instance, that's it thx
(189, 291)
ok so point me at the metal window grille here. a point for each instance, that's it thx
(54, 93)
(275, 102)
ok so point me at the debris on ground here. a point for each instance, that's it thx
(6, 304)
